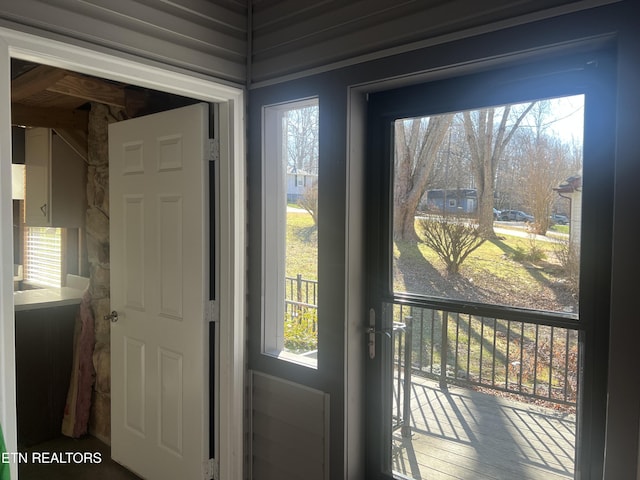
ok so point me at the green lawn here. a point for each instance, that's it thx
(302, 246)
(508, 270)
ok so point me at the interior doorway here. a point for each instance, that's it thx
(71, 112)
(57, 55)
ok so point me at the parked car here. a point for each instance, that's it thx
(559, 219)
(515, 216)
(496, 214)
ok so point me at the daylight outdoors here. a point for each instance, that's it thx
(483, 205)
(486, 210)
(505, 177)
(300, 156)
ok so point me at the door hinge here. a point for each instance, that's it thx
(211, 470)
(213, 154)
(211, 311)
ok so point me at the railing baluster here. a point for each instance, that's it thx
(521, 356)
(468, 345)
(506, 361)
(433, 314)
(455, 356)
(444, 334)
(396, 354)
(535, 363)
(481, 346)
(566, 364)
(421, 356)
(551, 362)
(408, 348)
(493, 352)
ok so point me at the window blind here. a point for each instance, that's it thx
(43, 256)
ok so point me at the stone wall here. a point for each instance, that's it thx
(97, 230)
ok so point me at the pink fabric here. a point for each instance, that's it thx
(76, 413)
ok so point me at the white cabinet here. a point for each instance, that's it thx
(55, 194)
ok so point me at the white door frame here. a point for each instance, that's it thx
(14, 44)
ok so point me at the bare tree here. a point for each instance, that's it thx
(301, 144)
(546, 162)
(451, 169)
(488, 133)
(309, 201)
(417, 142)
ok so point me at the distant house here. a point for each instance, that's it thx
(460, 200)
(571, 189)
(298, 183)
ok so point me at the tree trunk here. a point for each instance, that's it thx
(415, 152)
(486, 145)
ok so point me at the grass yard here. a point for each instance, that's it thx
(510, 270)
(302, 246)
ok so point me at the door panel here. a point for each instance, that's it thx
(159, 286)
(485, 363)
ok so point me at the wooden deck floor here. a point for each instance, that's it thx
(463, 434)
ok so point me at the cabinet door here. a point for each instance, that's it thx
(37, 160)
(56, 181)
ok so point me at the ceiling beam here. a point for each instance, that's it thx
(55, 80)
(28, 116)
(90, 89)
(34, 81)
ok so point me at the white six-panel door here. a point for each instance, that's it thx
(159, 286)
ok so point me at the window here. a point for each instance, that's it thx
(43, 256)
(532, 151)
(290, 248)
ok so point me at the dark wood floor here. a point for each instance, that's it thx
(35, 468)
(463, 434)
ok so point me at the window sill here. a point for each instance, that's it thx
(308, 359)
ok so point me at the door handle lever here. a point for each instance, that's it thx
(113, 316)
(372, 331)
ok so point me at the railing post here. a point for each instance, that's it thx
(444, 344)
(408, 348)
(298, 293)
(299, 287)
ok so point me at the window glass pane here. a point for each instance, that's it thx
(291, 234)
(486, 210)
(487, 205)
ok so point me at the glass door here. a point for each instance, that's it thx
(490, 227)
